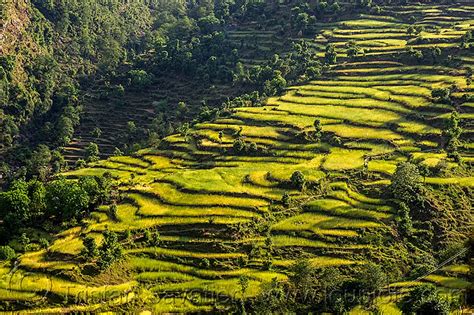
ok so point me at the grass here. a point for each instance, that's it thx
(153, 207)
(157, 251)
(318, 262)
(448, 282)
(342, 159)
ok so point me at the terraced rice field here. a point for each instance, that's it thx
(200, 194)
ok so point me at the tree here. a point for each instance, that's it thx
(330, 55)
(112, 212)
(371, 278)
(405, 223)
(90, 249)
(272, 299)
(298, 180)
(317, 129)
(140, 78)
(96, 132)
(15, 205)
(424, 300)
(276, 85)
(131, 128)
(37, 195)
(91, 186)
(7, 253)
(452, 132)
(239, 145)
(352, 49)
(117, 152)
(435, 53)
(302, 21)
(109, 251)
(65, 199)
(181, 109)
(286, 199)
(406, 183)
(65, 130)
(38, 164)
(92, 152)
(208, 24)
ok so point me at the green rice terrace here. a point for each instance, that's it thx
(216, 214)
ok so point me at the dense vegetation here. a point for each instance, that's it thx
(261, 157)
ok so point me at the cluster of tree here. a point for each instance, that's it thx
(103, 255)
(32, 203)
(431, 55)
(242, 147)
(452, 132)
(424, 214)
(313, 290)
(425, 299)
(271, 78)
(62, 43)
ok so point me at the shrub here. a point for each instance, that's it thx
(140, 78)
(298, 180)
(92, 152)
(406, 182)
(424, 300)
(110, 250)
(286, 199)
(44, 243)
(7, 253)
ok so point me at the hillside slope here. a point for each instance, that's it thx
(226, 202)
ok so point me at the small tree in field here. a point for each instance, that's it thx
(318, 128)
(298, 180)
(96, 132)
(331, 55)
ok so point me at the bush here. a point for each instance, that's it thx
(297, 180)
(7, 253)
(140, 78)
(424, 300)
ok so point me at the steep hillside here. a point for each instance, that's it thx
(216, 214)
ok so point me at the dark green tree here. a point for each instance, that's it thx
(298, 180)
(92, 152)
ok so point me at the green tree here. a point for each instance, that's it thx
(131, 128)
(140, 78)
(298, 180)
(92, 152)
(90, 250)
(117, 152)
(330, 55)
(109, 251)
(272, 299)
(91, 186)
(7, 253)
(302, 21)
(112, 212)
(15, 205)
(318, 128)
(37, 195)
(239, 145)
(452, 132)
(65, 130)
(424, 300)
(96, 132)
(276, 85)
(406, 183)
(286, 199)
(65, 199)
(39, 162)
